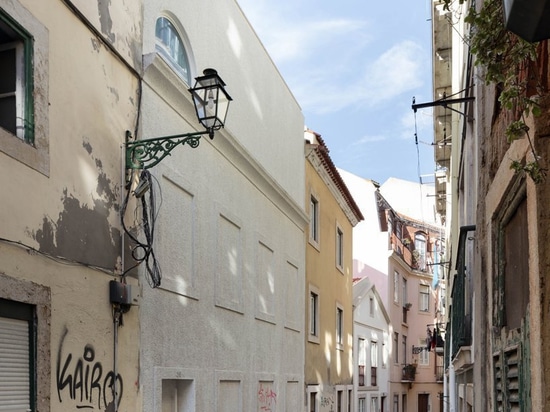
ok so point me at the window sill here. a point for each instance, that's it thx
(313, 339)
(161, 76)
(314, 243)
(36, 158)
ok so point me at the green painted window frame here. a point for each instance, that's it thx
(27, 73)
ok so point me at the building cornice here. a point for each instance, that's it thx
(318, 156)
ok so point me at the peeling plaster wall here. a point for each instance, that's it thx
(59, 225)
(92, 101)
(119, 22)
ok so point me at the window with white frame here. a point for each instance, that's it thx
(313, 314)
(404, 343)
(396, 278)
(404, 285)
(424, 298)
(442, 299)
(374, 404)
(395, 348)
(424, 355)
(373, 363)
(420, 250)
(339, 248)
(361, 405)
(313, 219)
(395, 403)
(339, 327)
(361, 360)
(170, 45)
(312, 398)
(339, 401)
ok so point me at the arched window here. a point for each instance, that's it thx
(170, 46)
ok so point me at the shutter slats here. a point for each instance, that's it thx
(14, 365)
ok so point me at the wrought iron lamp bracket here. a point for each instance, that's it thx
(146, 153)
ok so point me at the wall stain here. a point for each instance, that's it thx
(114, 92)
(96, 45)
(82, 232)
(86, 145)
(105, 19)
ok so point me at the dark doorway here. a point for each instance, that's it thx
(423, 402)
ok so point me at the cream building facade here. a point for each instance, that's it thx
(70, 75)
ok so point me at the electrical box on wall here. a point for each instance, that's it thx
(120, 293)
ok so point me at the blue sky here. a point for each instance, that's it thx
(354, 67)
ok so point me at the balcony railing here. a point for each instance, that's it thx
(409, 373)
(460, 317)
(460, 313)
(405, 249)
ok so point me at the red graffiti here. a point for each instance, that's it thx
(267, 398)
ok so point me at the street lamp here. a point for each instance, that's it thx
(211, 102)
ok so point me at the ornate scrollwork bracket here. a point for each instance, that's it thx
(146, 153)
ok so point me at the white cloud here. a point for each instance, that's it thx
(330, 64)
(369, 139)
(290, 35)
(310, 40)
(325, 89)
(396, 71)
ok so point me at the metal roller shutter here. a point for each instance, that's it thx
(14, 365)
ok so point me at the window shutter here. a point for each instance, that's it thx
(14, 365)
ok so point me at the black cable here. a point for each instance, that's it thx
(418, 163)
(59, 259)
(143, 251)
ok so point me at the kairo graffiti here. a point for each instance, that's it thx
(85, 380)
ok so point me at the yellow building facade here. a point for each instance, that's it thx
(329, 313)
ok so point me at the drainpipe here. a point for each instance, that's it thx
(452, 383)
(445, 394)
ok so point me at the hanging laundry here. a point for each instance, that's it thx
(439, 342)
